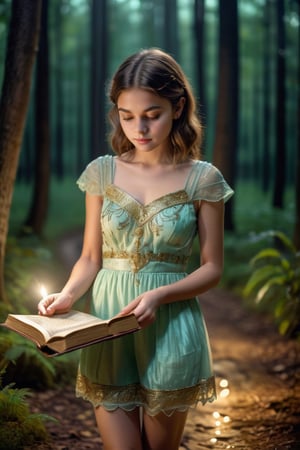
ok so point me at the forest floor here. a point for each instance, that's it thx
(260, 411)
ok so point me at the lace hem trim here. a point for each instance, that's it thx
(153, 401)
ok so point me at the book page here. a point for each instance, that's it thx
(60, 324)
(88, 335)
(123, 323)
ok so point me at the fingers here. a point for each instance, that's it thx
(130, 307)
(46, 306)
(144, 317)
(142, 309)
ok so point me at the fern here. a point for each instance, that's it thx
(30, 352)
(275, 282)
(24, 364)
(18, 427)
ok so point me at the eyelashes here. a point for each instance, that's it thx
(127, 119)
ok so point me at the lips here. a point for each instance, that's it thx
(143, 141)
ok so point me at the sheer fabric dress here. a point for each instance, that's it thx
(166, 366)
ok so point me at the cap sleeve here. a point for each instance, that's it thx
(207, 183)
(97, 175)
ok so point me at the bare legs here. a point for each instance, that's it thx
(162, 432)
(121, 430)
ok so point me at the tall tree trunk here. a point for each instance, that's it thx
(159, 22)
(266, 177)
(59, 97)
(171, 28)
(24, 172)
(20, 56)
(98, 77)
(39, 202)
(280, 157)
(226, 136)
(80, 110)
(297, 191)
(256, 129)
(199, 10)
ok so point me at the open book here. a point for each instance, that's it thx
(63, 333)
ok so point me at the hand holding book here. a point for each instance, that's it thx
(57, 303)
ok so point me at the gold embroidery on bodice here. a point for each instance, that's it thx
(142, 213)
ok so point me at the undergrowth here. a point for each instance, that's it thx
(274, 283)
(19, 428)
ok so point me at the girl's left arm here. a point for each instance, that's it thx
(211, 236)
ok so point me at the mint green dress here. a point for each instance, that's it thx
(166, 366)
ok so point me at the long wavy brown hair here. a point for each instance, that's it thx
(158, 72)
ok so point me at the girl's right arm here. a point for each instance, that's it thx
(85, 269)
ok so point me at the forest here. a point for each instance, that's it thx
(242, 59)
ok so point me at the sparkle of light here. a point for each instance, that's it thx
(224, 393)
(226, 419)
(224, 383)
(43, 291)
(216, 414)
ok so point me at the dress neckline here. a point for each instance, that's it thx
(159, 199)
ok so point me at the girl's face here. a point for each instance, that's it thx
(146, 119)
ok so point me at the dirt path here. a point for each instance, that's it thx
(262, 370)
(261, 410)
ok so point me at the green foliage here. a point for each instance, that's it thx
(19, 356)
(28, 263)
(275, 282)
(27, 367)
(238, 249)
(18, 427)
(66, 209)
(253, 215)
(23, 255)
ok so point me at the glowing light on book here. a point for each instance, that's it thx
(43, 291)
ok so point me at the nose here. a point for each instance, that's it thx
(142, 127)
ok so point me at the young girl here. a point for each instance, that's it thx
(144, 208)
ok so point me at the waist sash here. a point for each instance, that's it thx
(149, 262)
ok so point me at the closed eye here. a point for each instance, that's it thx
(126, 119)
